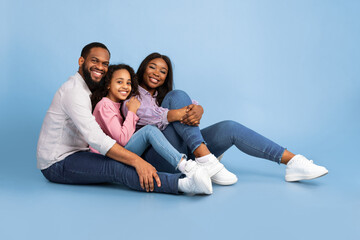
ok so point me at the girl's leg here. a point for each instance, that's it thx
(93, 168)
(221, 136)
(151, 156)
(150, 135)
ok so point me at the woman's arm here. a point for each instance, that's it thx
(193, 115)
(176, 114)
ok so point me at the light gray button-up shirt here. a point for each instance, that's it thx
(69, 125)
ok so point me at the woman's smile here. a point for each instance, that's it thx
(155, 74)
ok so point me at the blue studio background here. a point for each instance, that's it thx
(287, 69)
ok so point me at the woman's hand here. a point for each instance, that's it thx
(193, 115)
(147, 173)
(133, 104)
(177, 114)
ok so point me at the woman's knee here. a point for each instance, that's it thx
(230, 124)
(177, 94)
(176, 99)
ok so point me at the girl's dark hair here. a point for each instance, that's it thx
(103, 90)
(168, 84)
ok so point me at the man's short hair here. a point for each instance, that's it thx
(86, 50)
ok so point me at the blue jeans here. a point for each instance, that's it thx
(218, 137)
(92, 168)
(150, 135)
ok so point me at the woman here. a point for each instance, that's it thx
(173, 112)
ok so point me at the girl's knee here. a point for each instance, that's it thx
(150, 129)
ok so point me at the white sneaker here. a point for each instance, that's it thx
(217, 172)
(197, 180)
(224, 177)
(300, 168)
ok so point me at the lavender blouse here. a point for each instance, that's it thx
(149, 112)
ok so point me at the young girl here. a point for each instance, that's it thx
(118, 85)
(175, 114)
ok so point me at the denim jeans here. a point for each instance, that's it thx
(218, 137)
(92, 168)
(151, 135)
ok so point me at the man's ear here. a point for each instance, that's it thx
(81, 61)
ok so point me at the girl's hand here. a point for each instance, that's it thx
(193, 115)
(133, 104)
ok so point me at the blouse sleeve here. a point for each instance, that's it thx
(150, 114)
(110, 120)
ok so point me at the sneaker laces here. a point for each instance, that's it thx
(304, 161)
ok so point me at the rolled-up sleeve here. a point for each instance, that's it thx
(78, 107)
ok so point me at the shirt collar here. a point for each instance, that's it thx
(144, 91)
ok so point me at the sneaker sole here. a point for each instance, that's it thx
(301, 177)
(224, 183)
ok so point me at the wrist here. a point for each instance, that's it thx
(132, 110)
(174, 115)
(135, 163)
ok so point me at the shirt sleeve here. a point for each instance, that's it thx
(110, 120)
(78, 107)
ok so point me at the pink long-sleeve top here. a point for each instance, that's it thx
(107, 114)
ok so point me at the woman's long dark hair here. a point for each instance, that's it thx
(168, 84)
(103, 90)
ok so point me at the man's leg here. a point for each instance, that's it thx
(92, 168)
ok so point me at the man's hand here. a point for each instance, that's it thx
(147, 173)
(193, 115)
(145, 170)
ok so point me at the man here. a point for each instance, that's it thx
(69, 128)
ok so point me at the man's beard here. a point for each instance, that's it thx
(92, 85)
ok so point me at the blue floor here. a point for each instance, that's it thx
(260, 206)
(287, 69)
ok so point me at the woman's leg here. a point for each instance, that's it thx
(217, 140)
(221, 136)
(193, 138)
(191, 135)
(150, 135)
(93, 168)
